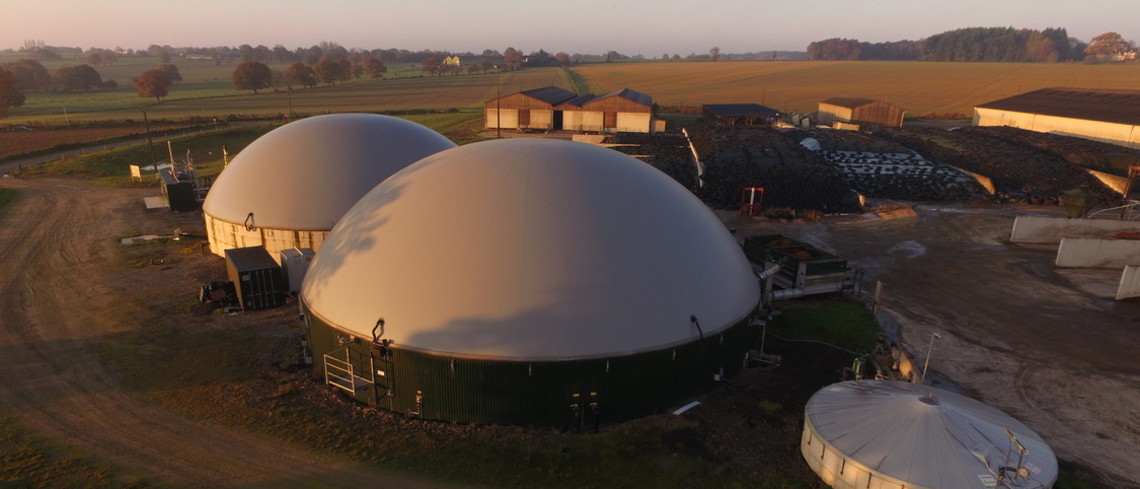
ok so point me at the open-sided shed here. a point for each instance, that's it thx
(1110, 116)
(739, 114)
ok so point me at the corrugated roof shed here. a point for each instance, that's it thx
(551, 95)
(1117, 106)
(849, 102)
(630, 95)
(740, 110)
(579, 100)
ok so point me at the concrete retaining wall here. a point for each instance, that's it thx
(984, 181)
(1098, 253)
(1036, 229)
(1129, 283)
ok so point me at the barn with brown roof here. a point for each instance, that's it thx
(1110, 116)
(553, 108)
(622, 110)
(853, 112)
(527, 110)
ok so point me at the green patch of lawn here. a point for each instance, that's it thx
(846, 325)
(112, 167)
(8, 196)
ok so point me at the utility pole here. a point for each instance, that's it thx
(150, 144)
(498, 101)
(928, 350)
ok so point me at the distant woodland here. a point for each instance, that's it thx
(1004, 44)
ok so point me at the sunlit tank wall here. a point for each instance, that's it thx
(224, 235)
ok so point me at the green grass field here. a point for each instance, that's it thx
(206, 92)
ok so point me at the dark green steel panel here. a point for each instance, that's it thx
(465, 390)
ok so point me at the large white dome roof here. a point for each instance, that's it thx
(306, 174)
(531, 249)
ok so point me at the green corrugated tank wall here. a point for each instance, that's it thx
(541, 393)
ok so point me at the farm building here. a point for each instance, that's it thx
(529, 109)
(740, 114)
(1110, 116)
(619, 111)
(852, 112)
(553, 108)
(538, 304)
(289, 187)
(888, 434)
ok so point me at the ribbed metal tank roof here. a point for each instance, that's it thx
(923, 437)
(531, 249)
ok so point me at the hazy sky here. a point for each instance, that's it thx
(648, 27)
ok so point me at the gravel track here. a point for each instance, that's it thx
(53, 293)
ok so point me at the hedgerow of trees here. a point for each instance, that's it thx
(970, 44)
(10, 93)
(30, 75)
(80, 78)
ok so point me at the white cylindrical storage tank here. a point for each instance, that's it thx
(896, 435)
(531, 281)
(289, 187)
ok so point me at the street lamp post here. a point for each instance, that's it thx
(498, 101)
(929, 348)
(149, 143)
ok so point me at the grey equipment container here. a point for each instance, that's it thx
(256, 277)
(294, 264)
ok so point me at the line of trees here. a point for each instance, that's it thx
(256, 75)
(30, 76)
(1005, 44)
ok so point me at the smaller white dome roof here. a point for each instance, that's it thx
(306, 174)
(926, 437)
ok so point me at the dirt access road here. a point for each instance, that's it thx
(1046, 345)
(55, 291)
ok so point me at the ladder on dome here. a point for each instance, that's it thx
(344, 375)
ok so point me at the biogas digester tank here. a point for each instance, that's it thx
(528, 282)
(289, 187)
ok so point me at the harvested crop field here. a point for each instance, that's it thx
(923, 89)
(16, 143)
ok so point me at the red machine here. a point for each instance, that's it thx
(752, 201)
